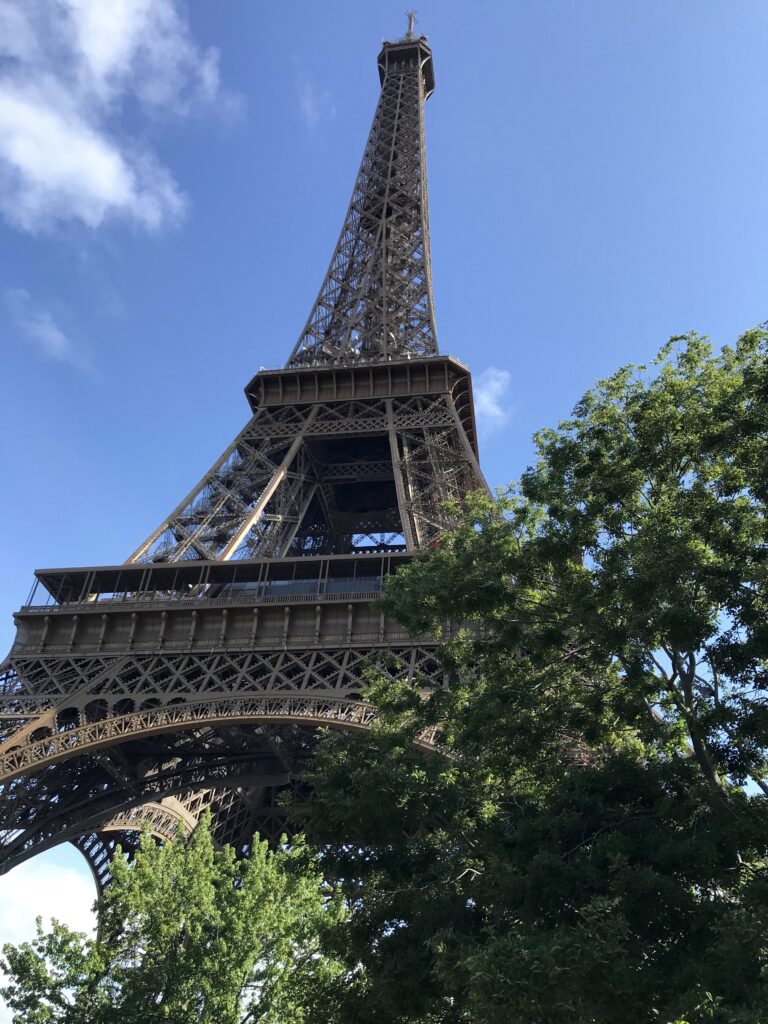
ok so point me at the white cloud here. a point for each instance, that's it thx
(492, 406)
(42, 887)
(68, 68)
(314, 104)
(37, 324)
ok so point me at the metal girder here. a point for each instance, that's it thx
(269, 481)
(376, 300)
(171, 724)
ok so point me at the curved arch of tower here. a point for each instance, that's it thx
(194, 675)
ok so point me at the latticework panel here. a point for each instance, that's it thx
(239, 726)
(276, 490)
(376, 300)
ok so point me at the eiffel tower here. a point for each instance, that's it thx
(195, 674)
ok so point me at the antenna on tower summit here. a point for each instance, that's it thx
(411, 16)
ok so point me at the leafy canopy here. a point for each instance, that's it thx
(187, 934)
(584, 850)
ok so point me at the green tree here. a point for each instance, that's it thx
(584, 848)
(186, 934)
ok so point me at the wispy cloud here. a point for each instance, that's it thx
(492, 406)
(38, 325)
(315, 104)
(67, 70)
(42, 886)
(67, 895)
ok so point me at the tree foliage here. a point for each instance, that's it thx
(187, 934)
(584, 849)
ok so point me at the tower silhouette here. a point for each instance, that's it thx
(195, 674)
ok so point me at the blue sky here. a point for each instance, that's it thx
(173, 178)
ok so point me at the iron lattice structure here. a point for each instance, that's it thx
(195, 674)
(376, 299)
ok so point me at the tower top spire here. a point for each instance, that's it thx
(375, 304)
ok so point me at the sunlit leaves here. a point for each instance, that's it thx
(581, 851)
